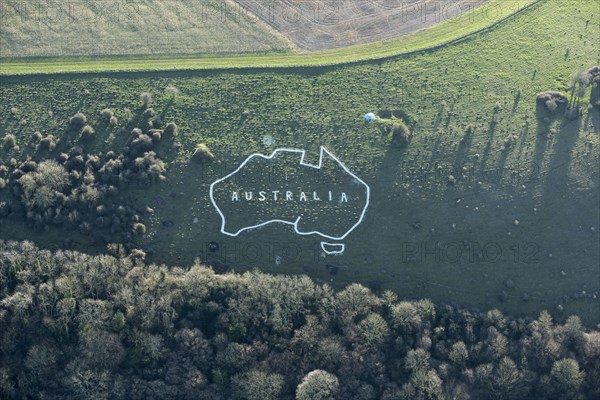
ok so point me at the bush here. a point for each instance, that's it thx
(138, 254)
(78, 120)
(150, 166)
(47, 143)
(146, 99)
(107, 113)
(142, 143)
(139, 228)
(157, 122)
(10, 141)
(172, 91)
(552, 101)
(87, 133)
(156, 135)
(37, 136)
(401, 135)
(128, 114)
(171, 129)
(2, 183)
(113, 121)
(202, 153)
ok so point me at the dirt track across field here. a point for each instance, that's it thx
(318, 25)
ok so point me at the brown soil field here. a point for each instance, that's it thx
(40, 28)
(318, 25)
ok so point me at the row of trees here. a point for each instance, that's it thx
(92, 327)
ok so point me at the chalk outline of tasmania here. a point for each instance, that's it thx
(322, 152)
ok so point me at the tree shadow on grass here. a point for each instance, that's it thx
(544, 124)
(557, 174)
(516, 103)
(491, 133)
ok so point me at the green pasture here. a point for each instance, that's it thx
(516, 229)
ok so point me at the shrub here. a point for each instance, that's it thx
(113, 121)
(37, 136)
(2, 183)
(107, 113)
(157, 122)
(171, 129)
(62, 158)
(401, 135)
(75, 162)
(136, 132)
(202, 153)
(551, 105)
(47, 143)
(151, 166)
(138, 254)
(78, 120)
(128, 114)
(552, 101)
(142, 143)
(156, 135)
(146, 99)
(139, 228)
(10, 141)
(87, 133)
(172, 91)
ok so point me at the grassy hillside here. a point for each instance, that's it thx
(483, 17)
(81, 28)
(518, 229)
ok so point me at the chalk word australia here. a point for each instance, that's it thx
(324, 199)
(288, 195)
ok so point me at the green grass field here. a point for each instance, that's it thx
(448, 31)
(518, 231)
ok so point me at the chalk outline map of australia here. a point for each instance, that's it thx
(327, 247)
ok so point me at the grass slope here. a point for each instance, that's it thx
(438, 35)
(421, 236)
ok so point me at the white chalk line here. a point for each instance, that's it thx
(323, 151)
